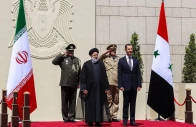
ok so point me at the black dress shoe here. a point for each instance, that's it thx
(109, 120)
(90, 124)
(65, 121)
(97, 124)
(73, 121)
(133, 124)
(115, 120)
(124, 124)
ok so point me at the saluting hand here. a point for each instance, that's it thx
(63, 52)
(107, 51)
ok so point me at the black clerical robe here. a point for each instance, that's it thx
(94, 80)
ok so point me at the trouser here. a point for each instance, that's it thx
(68, 102)
(129, 99)
(113, 101)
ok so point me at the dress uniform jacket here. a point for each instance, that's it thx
(111, 65)
(70, 70)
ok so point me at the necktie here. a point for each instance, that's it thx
(130, 63)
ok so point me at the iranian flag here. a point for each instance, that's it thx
(20, 76)
(161, 94)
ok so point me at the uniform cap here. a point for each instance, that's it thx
(70, 47)
(112, 47)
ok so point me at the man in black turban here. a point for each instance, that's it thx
(93, 86)
(93, 50)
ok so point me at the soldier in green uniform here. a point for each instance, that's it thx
(110, 60)
(70, 73)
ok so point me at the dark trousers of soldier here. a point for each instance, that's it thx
(113, 101)
(68, 102)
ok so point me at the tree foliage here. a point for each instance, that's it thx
(136, 51)
(189, 70)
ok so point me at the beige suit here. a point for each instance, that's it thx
(111, 66)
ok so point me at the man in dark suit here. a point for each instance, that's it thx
(129, 81)
(70, 72)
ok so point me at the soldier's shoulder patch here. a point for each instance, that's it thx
(79, 61)
(77, 58)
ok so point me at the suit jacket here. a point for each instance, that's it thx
(126, 78)
(111, 66)
(70, 70)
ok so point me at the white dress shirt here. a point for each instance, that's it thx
(127, 57)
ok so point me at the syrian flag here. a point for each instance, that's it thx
(20, 76)
(161, 94)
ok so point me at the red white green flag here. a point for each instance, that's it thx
(20, 76)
